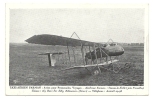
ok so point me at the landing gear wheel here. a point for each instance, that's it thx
(96, 71)
(116, 67)
(127, 65)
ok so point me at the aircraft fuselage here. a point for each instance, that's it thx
(114, 50)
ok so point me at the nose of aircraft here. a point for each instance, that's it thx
(114, 50)
(121, 50)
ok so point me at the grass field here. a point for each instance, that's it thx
(26, 67)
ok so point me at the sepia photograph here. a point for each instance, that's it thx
(77, 46)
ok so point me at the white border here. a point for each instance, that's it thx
(38, 6)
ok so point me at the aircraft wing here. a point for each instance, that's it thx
(46, 39)
(86, 66)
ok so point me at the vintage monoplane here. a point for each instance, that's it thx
(92, 58)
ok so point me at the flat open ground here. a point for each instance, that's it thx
(26, 67)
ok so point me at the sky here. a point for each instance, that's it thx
(125, 25)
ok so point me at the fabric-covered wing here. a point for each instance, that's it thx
(57, 40)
